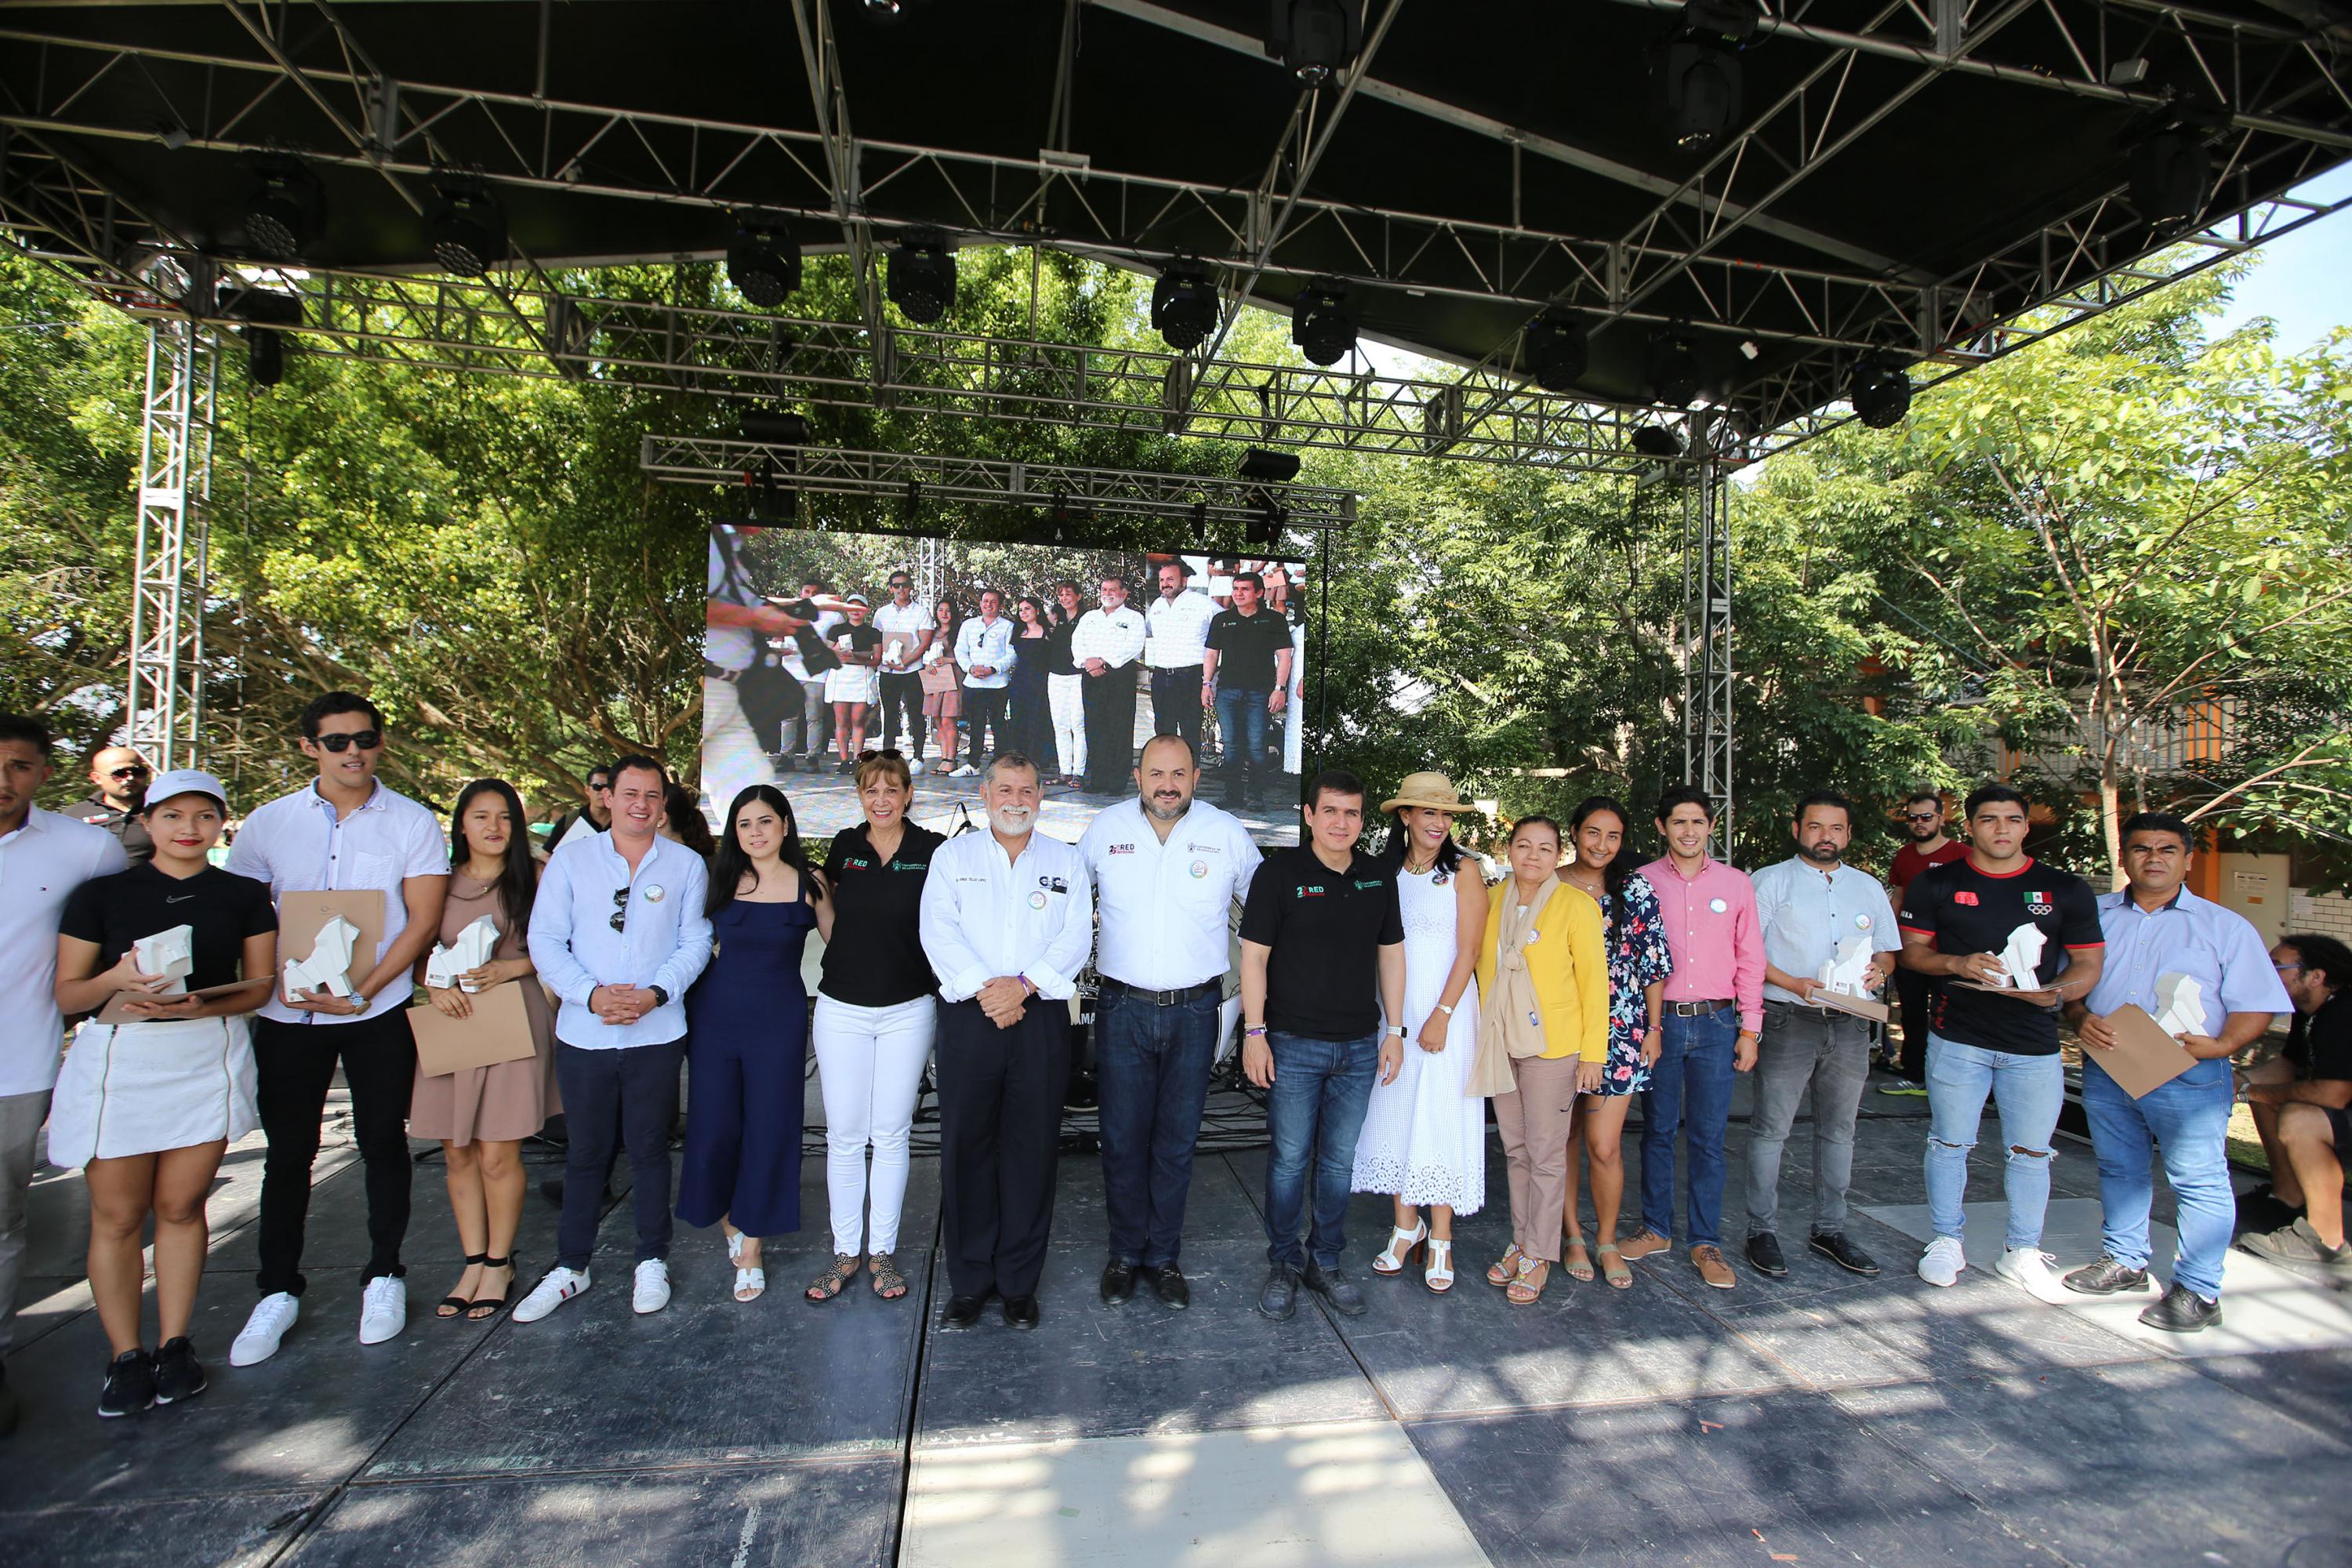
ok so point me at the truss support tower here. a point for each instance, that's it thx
(165, 699)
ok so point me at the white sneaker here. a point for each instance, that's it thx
(257, 1341)
(2031, 1269)
(651, 1293)
(915, 768)
(384, 1310)
(1942, 1262)
(964, 772)
(555, 1286)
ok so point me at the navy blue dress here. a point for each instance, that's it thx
(748, 1044)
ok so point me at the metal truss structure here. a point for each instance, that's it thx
(1705, 644)
(165, 704)
(1059, 492)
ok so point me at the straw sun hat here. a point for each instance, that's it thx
(1433, 789)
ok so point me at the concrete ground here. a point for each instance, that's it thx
(1821, 1418)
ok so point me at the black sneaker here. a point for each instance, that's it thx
(178, 1373)
(1278, 1297)
(1834, 1245)
(1343, 1294)
(2180, 1311)
(130, 1385)
(1117, 1281)
(2105, 1278)
(1765, 1256)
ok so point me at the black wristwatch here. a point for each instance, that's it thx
(661, 997)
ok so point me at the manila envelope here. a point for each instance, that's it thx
(499, 1031)
(300, 916)
(1860, 1007)
(2144, 1056)
(116, 1011)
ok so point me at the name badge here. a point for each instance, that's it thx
(1200, 870)
(1862, 922)
(1036, 900)
(1717, 905)
(653, 893)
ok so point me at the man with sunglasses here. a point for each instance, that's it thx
(119, 774)
(344, 831)
(1928, 844)
(906, 627)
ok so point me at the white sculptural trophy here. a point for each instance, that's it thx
(1848, 973)
(2181, 1002)
(328, 969)
(170, 954)
(2021, 961)
(468, 952)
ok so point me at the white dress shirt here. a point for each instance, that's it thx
(1177, 629)
(1165, 907)
(988, 643)
(298, 844)
(40, 864)
(665, 942)
(1806, 915)
(1114, 636)
(729, 648)
(984, 915)
(904, 626)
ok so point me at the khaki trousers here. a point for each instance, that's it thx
(1534, 1119)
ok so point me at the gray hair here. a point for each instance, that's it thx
(1008, 760)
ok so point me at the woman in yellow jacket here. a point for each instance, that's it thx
(1543, 1038)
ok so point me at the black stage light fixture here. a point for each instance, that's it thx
(1558, 349)
(1261, 463)
(1698, 69)
(265, 313)
(1657, 441)
(1184, 304)
(1879, 390)
(773, 426)
(265, 356)
(1322, 323)
(1674, 369)
(1315, 37)
(1265, 523)
(286, 211)
(763, 263)
(2172, 177)
(1201, 523)
(466, 227)
(923, 274)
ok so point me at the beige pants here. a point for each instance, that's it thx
(1534, 1119)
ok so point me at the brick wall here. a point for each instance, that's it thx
(2330, 914)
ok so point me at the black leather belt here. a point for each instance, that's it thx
(1165, 998)
(712, 672)
(1696, 1009)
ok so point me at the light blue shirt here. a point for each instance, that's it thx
(665, 939)
(2217, 947)
(988, 643)
(1805, 915)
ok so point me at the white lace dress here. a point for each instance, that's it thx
(1423, 1140)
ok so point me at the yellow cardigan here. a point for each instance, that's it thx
(1569, 962)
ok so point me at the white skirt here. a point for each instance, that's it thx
(141, 1089)
(850, 683)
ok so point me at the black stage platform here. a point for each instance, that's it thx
(1818, 1419)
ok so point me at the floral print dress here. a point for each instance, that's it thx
(1637, 956)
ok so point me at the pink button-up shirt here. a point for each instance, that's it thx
(1714, 934)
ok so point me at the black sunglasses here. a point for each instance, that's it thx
(891, 751)
(366, 739)
(139, 772)
(620, 909)
(1921, 815)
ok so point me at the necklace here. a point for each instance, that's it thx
(1412, 871)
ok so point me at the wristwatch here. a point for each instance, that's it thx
(1444, 1009)
(661, 997)
(359, 1002)
(1397, 1029)
(1259, 1033)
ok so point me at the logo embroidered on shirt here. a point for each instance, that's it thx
(1310, 889)
(1122, 849)
(1965, 896)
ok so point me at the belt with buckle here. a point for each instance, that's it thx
(712, 672)
(1164, 999)
(1696, 1009)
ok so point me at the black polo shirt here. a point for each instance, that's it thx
(1969, 910)
(128, 828)
(2319, 1043)
(1057, 647)
(223, 910)
(1246, 647)
(876, 957)
(1325, 928)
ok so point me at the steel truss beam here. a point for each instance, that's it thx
(1708, 687)
(165, 697)
(992, 481)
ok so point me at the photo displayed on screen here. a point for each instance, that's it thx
(950, 653)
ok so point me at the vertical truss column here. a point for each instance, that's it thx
(930, 575)
(1707, 646)
(164, 701)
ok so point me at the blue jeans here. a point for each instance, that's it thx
(1152, 1080)
(1315, 1109)
(2028, 1091)
(626, 1097)
(1240, 733)
(1690, 1084)
(2189, 1118)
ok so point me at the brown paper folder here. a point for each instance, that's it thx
(499, 1031)
(2144, 1056)
(1860, 1007)
(300, 916)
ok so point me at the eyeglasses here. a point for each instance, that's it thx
(1921, 815)
(366, 739)
(891, 751)
(2286, 968)
(138, 771)
(620, 920)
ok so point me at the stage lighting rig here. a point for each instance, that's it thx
(1879, 390)
(1266, 522)
(1184, 304)
(264, 312)
(773, 426)
(286, 211)
(1201, 523)
(2172, 177)
(922, 279)
(1699, 70)
(1657, 441)
(1674, 369)
(1262, 463)
(763, 263)
(467, 227)
(1316, 39)
(1322, 322)
(1558, 349)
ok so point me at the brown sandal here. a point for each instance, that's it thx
(827, 1285)
(888, 1283)
(1505, 1269)
(1528, 1289)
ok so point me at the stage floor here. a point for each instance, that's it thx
(1817, 1419)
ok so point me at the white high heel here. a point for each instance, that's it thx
(1390, 1259)
(1439, 1275)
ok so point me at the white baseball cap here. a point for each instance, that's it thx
(186, 781)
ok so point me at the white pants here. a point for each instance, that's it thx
(732, 760)
(870, 1067)
(1064, 695)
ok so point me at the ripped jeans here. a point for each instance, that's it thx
(2028, 1092)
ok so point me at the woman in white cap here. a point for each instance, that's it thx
(851, 686)
(146, 1105)
(1424, 1137)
